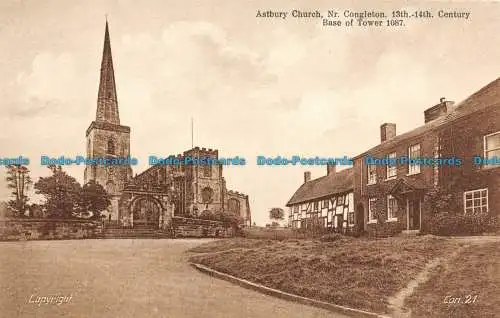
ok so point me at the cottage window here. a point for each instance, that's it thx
(324, 204)
(340, 200)
(296, 208)
(492, 145)
(316, 205)
(334, 203)
(372, 174)
(392, 207)
(371, 210)
(351, 202)
(413, 153)
(391, 169)
(476, 201)
(350, 218)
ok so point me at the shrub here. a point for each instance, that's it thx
(207, 215)
(438, 200)
(331, 237)
(446, 224)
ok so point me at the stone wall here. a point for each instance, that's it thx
(48, 229)
(187, 227)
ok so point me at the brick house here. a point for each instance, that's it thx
(393, 198)
(325, 202)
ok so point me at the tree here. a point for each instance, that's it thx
(277, 214)
(5, 211)
(93, 198)
(19, 181)
(36, 211)
(61, 192)
(229, 219)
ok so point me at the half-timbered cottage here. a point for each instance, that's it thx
(325, 202)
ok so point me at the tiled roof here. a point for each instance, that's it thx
(339, 182)
(488, 96)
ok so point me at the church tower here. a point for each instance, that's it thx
(106, 138)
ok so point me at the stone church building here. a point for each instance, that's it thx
(154, 197)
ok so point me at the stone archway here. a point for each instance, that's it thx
(146, 212)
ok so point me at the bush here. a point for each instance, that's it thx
(331, 237)
(207, 215)
(446, 224)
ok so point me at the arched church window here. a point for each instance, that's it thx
(111, 147)
(233, 206)
(110, 187)
(207, 194)
(110, 171)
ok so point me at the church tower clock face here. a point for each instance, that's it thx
(207, 194)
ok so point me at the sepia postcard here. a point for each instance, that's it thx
(249, 158)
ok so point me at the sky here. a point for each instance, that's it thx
(253, 86)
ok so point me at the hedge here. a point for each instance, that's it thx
(447, 224)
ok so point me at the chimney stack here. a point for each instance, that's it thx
(387, 131)
(330, 169)
(438, 110)
(307, 176)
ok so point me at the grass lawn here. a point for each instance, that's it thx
(356, 272)
(471, 282)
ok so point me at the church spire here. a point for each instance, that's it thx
(107, 104)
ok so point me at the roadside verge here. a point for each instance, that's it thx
(286, 296)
